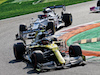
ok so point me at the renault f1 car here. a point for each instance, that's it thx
(46, 53)
(96, 9)
(48, 21)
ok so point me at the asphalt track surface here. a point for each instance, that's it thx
(9, 27)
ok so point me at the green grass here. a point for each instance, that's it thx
(45, 1)
(18, 1)
(2, 1)
(9, 9)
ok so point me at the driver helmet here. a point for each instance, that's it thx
(45, 41)
(47, 10)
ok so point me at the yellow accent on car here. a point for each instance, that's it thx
(55, 49)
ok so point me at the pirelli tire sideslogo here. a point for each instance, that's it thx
(67, 18)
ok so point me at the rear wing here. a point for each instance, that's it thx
(58, 6)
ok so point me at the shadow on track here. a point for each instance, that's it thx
(14, 61)
(32, 71)
(95, 12)
(28, 65)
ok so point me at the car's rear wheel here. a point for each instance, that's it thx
(19, 50)
(75, 50)
(51, 27)
(98, 3)
(67, 18)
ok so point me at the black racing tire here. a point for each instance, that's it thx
(98, 3)
(51, 27)
(67, 18)
(22, 28)
(19, 50)
(37, 57)
(75, 50)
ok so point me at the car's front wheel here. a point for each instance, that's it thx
(75, 50)
(22, 28)
(19, 50)
(37, 57)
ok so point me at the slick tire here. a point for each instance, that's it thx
(51, 27)
(19, 50)
(37, 57)
(75, 50)
(67, 18)
(98, 3)
(22, 28)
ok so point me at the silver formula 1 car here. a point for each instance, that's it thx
(49, 21)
